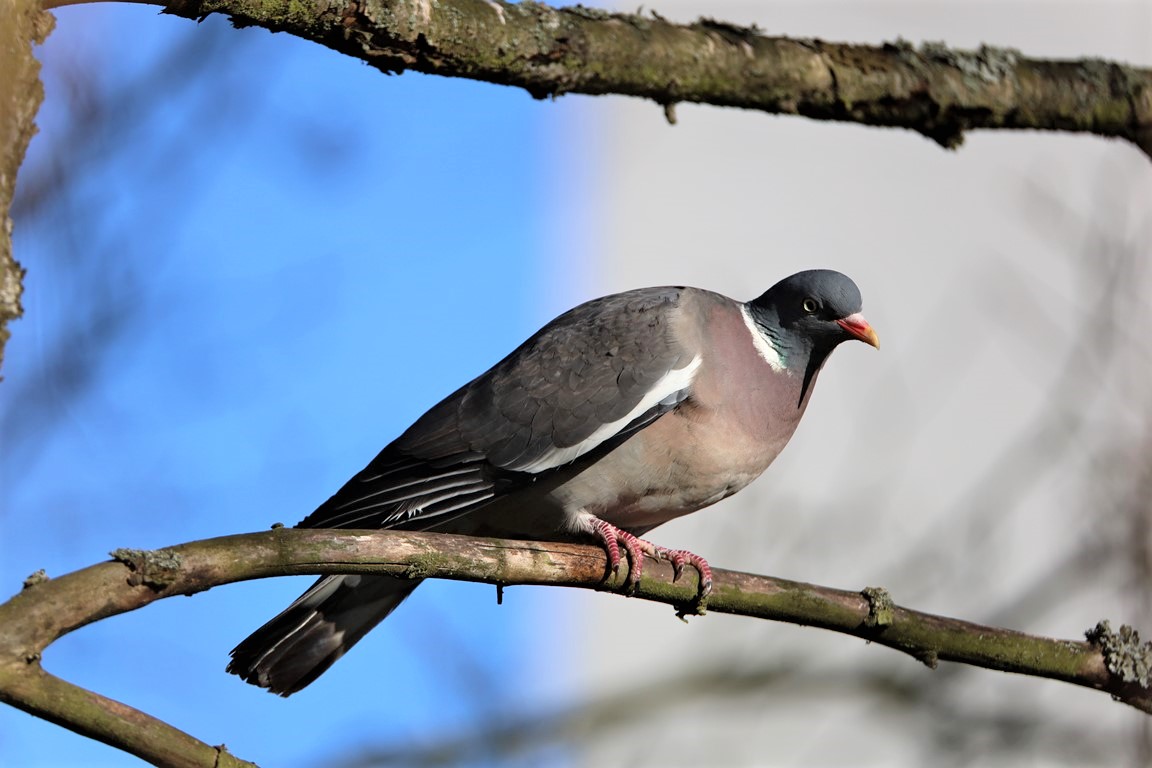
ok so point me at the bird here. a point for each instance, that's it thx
(621, 414)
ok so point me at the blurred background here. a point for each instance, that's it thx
(252, 262)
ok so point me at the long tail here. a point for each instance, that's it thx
(295, 648)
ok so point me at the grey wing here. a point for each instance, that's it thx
(583, 383)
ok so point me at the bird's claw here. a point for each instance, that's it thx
(612, 538)
(677, 558)
(611, 548)
(681, 557)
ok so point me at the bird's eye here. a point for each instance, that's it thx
(810, 305)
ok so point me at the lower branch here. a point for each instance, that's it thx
(97, 717)
(1116, 663)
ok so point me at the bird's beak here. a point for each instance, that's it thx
(858, 327)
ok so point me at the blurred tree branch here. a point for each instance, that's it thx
(21, 92)
(788, 681)
(47, 609)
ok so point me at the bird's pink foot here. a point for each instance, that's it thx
(680, 557)
(613, 538)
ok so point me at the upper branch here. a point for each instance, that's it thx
(935, 90)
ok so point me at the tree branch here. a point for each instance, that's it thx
(1116, 663)
(23, 25)
(937, 91)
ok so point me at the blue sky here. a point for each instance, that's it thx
(296, 256)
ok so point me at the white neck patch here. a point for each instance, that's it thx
(763, 344)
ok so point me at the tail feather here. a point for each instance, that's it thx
(308, 636)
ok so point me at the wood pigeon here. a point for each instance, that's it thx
(617, 416)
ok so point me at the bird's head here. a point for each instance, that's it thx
(818, 308)
(805, 316)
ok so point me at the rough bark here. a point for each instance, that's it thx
(938, 91)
